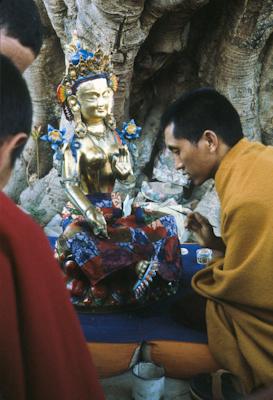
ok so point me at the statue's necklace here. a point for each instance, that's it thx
(97, 131)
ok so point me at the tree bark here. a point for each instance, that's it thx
(160, 48)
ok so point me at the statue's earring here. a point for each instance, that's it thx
(80, 128)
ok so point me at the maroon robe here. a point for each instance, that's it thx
(43, 354)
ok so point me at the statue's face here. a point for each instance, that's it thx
(95, 98)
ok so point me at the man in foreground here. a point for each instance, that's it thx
(20, 31)
(203, 131)
(42, 349)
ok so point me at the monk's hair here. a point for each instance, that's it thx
(20, 19)
(15, 104)
(200, 110)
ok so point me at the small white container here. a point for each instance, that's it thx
(148, 381)
(203, 256)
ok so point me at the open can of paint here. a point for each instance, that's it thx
(148, 381)
(203, 256)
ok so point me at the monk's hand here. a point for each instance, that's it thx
(204, 234)
(201, 228)
(121, 164)
(97, 221)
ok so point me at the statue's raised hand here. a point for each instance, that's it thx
(97, 221)
(121, 164)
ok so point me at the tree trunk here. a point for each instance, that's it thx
(160, 49)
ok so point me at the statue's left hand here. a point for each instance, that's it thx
(97, 221)
(122, 164)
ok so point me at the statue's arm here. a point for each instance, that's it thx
(71, 179)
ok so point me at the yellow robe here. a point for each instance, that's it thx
(239, 287)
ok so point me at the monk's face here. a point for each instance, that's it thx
(197, 160)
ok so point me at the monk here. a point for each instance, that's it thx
(204, 133)
(21, 31)
(43, 352)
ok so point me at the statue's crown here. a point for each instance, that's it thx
(81, 62)
(82, 65)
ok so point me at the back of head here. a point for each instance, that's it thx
(200, 110)
(20, 20)
(15, 103)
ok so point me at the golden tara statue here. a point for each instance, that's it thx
(100, 159)
(109, 260)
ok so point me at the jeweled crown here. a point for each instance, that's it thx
(82, 65)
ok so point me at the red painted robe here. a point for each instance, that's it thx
(43, 354)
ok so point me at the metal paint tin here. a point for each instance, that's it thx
(148, 381)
